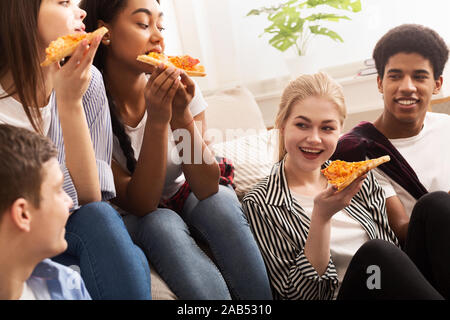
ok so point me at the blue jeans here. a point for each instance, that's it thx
(168, 240)
(112, 267)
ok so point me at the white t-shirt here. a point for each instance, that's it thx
(347, 236)
(12, 113)
(29, 294)
(174, 174)
(428, 153)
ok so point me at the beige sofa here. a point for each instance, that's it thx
(236, 131)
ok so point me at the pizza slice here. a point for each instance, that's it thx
(66, 45)
(190, 65)
(341, 174)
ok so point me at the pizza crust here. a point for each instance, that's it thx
(155, 62)
(70, 49)
(360, 171)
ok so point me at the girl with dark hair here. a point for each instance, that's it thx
(69, 105)
(167, 197)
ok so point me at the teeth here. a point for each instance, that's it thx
(406, 102)
(310, 150)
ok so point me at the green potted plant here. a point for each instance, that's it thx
(295, 23)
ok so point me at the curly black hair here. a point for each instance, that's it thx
(412, 38)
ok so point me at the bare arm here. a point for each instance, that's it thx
(398, 219)
(317, 246)
(80, 156)
(71, 82)
(141, 192)
(200, 168)
(326, 204)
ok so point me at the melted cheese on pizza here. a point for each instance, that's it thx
(159, 56)
(63, 42)
(339, 171)
(182, 62)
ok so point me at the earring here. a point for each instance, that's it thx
(107, 42)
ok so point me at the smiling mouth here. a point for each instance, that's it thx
(310, 151)
(407, 102)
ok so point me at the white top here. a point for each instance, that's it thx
(98, 120)
(12, 113)
(174, 174)
(428, 153)
(29, 294)
(347, 236)
(281, 225)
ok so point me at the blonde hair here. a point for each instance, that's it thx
(305, 86)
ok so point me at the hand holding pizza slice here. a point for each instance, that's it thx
(190, 65)
(341, 174)
(65, 46)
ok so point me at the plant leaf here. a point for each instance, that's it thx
(282, 42)
(254, 12)
(289, 26)
(272, 9)
(349, 5)
(326, 16)
(326, 32)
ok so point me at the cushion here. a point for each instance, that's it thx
(253, 157)
(160, 290)
(234, 110)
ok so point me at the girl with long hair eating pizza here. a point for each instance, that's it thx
(69, 105)
(170, 201)
(321, 243)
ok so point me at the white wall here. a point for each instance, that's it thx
(229, 43)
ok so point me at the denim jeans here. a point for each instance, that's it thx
(168, 240)
(112, 267)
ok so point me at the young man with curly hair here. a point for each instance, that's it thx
(410, 60)
(33, 213)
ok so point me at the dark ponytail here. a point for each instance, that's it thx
(107, 10)
(119, 131)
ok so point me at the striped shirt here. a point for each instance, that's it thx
(96, 109)
(281, 226)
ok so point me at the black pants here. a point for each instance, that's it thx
(380, 270)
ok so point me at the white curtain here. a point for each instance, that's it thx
(228, 42)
